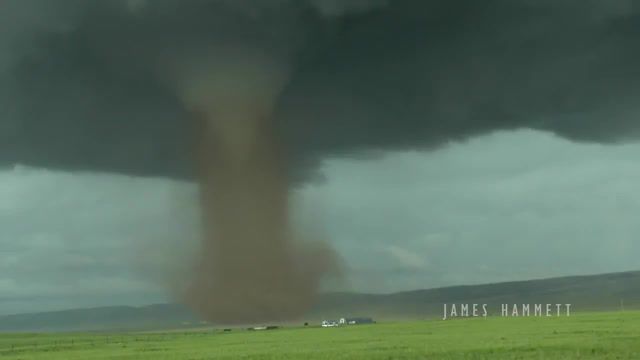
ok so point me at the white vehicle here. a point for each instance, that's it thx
(329, 323)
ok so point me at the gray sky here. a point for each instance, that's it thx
(504, 206)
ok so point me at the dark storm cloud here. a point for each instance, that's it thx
(84, 83)
(418, 74)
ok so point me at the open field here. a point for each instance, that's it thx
(614, 335)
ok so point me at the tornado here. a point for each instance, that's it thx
(251, 267)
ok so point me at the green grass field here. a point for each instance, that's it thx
(581, 336)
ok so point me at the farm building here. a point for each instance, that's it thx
(354, 321)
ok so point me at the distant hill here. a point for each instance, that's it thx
(586, 293)
(110, 318)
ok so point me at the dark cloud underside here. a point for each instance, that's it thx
(84, 83)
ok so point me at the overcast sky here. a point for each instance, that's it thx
(505, 206)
